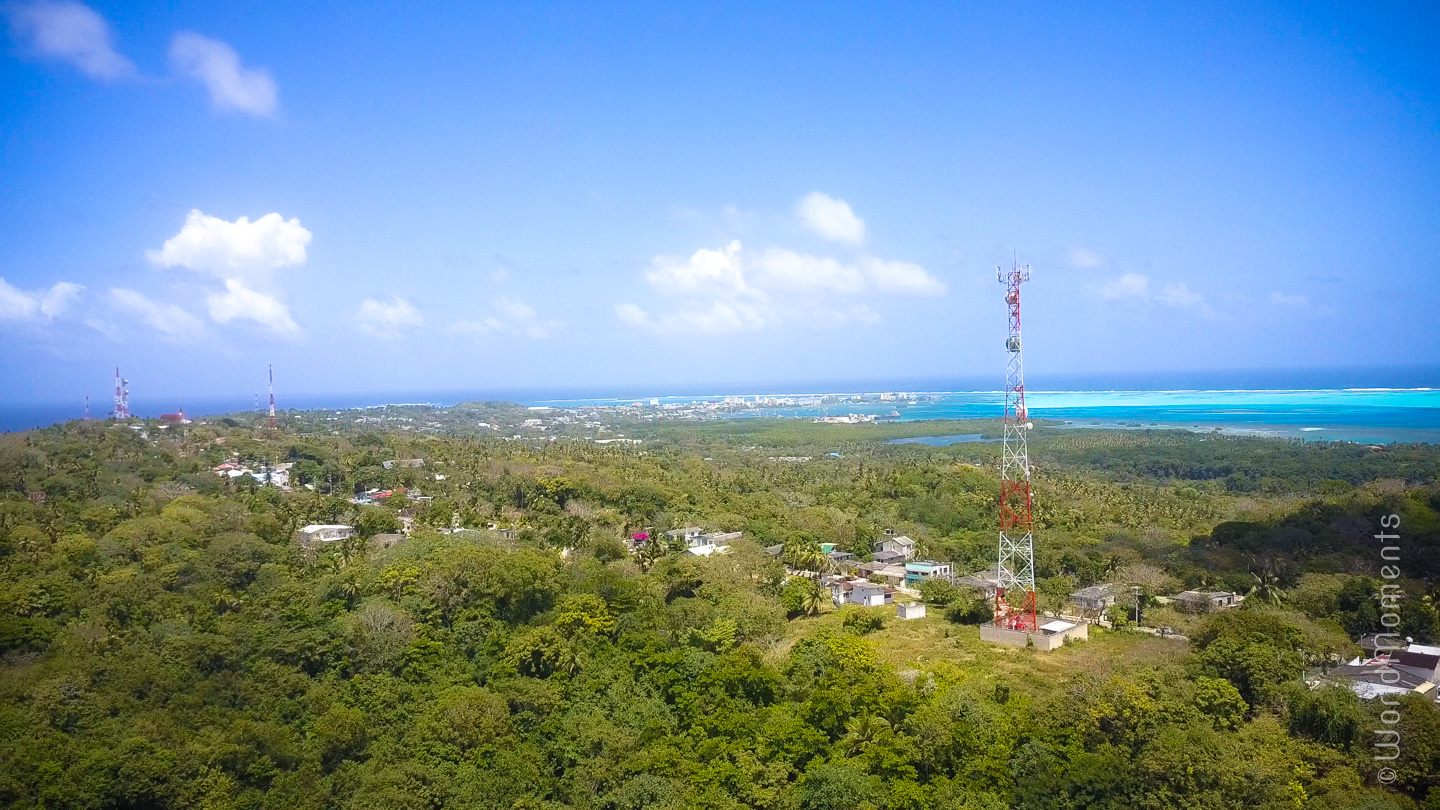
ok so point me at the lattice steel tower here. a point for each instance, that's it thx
(274, 424)
(122, 396)
(1015, 597)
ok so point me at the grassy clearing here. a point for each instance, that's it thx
(937, 645)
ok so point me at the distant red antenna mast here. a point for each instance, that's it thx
(122, 396)
(1015, 596)
(274, 425)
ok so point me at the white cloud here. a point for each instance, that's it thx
(1130, 285)
(216, 65)
(1080, 257)
(901, 277)
(72, 32)
(167, 319)
(239, 249)
(1289, 300)
(729, 290)
(1134, 286)
(512, 318)
(58, 298)
(718, 318)
(831, 218)
(388, 319)
(787, 270)
(705, 272)
(1179, 295)
(40, 305)
(239, 302)
(245, 255)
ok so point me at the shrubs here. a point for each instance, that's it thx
(861, 621)
(938, 592)
(970, 611)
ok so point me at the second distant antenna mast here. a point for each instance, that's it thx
(122, 396)
(274, 425)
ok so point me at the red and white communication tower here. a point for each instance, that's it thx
(122, 396)
(274, 425)
(1015, 598)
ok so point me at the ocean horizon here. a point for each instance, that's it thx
(1364, 405)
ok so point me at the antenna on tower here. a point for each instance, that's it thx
(274, 426)
(1015, 567)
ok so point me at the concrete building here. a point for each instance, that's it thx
(871, 595)
(1206, 601)
(910, 610)
(893, 574)
(1092, 602)
(381, 542)
(1049, 636)
(899, 544)
(985, 582)
(688, 536)
(318, 534)
(925, 569)
(1416, 669)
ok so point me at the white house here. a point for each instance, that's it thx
(871, 595)
(317, 534)
(899, 544)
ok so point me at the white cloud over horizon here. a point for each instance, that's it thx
(235, 249)
(239, 303)
(730, 290)
(831, 218)
(512, 318)
(1085, 258)
(71, 32)
(388, 319)
(1282, 299)
(169, 320)
(246, 256)
(40, 305)
(216, 65)
(1136, 287)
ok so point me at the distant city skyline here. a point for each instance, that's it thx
(448, 198)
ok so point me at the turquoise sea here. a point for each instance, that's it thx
(1378, 416)
(1377, 405)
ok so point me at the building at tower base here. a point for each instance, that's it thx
(1051, 635)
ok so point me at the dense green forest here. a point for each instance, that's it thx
(166, 642)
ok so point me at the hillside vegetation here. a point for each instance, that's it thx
(166, 643)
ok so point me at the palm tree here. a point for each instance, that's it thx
(226, 602)
(805, 555)
(350, 588)
(1267, 588)
(811, 600)
(651, 552)
(862, 732)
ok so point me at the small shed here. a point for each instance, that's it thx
(910, 610)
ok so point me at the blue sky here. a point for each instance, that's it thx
(442, 197)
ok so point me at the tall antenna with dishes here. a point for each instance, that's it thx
(122, 396)
(1015, 596)
(274, 425)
